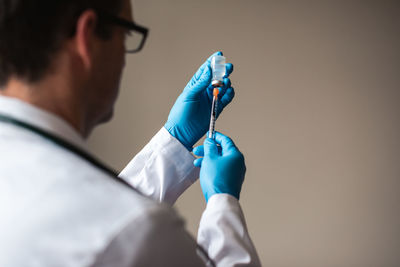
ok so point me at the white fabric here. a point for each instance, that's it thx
(163, 169)
(58, 210)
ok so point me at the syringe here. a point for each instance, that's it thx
(219, 69)
(214, 107)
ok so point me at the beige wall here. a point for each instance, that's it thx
(316, 115)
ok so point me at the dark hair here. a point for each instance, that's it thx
(32, 31)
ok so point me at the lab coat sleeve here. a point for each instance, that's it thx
(163, 169)
(223, 233)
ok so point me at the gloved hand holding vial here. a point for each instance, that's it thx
(189, 119)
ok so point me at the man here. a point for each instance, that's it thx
(60, 67)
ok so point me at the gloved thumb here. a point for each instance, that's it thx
(210, 148)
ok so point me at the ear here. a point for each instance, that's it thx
(85, 37)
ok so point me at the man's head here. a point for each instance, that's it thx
(69, 43)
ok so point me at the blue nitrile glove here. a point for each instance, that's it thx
(189, 118)
(222, 167)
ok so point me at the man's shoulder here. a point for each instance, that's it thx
(26, 154)
(53, 197)
(32, 161)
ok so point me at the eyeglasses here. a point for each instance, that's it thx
(136, 35)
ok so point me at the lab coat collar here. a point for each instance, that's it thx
(45, 120)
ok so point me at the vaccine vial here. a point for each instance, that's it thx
(219, 70)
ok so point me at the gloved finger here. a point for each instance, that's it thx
(210, 147)
(227, 97)
(199, 82)
(198, 162)
(219, 149)
(205, 64)
(225, 100)
(222, 90)
(229, 69)
(227, 83)
(199, 151)
(226, 143)
(229, 66)
(210, 91)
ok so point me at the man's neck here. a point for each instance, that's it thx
(50, 96)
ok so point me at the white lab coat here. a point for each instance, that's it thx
(58, 210)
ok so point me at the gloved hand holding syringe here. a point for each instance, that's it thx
(218, 70)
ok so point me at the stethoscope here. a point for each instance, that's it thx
(87, 157)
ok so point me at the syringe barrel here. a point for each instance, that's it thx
(218, 68)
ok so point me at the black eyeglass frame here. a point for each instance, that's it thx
(128, 25)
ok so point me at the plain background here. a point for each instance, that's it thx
(316, 114)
